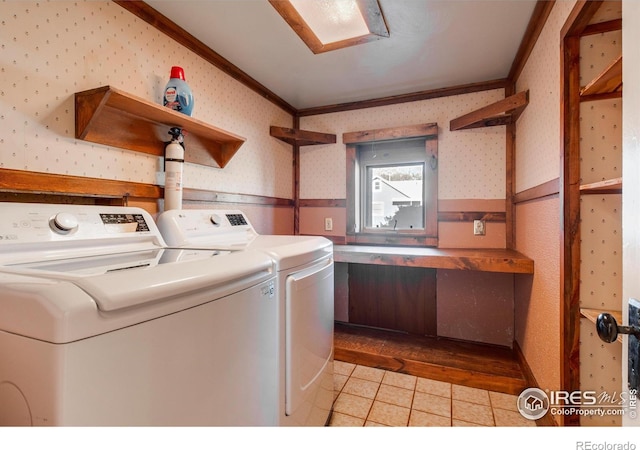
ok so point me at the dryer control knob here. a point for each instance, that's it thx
(216, 220)
(64, 223)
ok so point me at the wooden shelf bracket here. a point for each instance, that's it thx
(612, 186)
(301, 137)
(502, 112)
(608, 82)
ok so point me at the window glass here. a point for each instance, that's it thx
(392, 192)
(396, 198)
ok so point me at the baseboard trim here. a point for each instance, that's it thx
(548, 420)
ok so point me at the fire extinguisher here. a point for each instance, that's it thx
(173, 164)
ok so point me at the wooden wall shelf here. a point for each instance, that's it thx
(483, 260)
(613, 186)
(301, 137)
(502, 112)
(607, 82)
(109, 116)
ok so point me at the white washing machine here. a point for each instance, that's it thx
(304, 266)
(100, 324)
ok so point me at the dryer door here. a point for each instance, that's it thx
(309, 343)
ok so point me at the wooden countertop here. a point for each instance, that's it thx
(485, 260)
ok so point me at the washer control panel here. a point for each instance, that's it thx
(33, 222)
(216, 228)
(125, 222)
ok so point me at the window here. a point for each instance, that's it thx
(392, 186)
(395, 170)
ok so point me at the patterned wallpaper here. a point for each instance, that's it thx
(538, 224)
(50, 50)
(471, 162)
(538, 129)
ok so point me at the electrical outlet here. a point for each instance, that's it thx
(328, 224)
(478, 228)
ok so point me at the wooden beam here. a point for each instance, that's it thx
(570, 205)
(323, 203)
(20, 181)
(470, 216)
(510, 178)
(199, 195)
(545, 189)
(359, 137)
(602, 27)
(534, 28)
(596, 97)
(37, 182)
(296, 180)
(579, 18)
(406, 98)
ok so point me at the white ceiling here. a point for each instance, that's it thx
(433, 44)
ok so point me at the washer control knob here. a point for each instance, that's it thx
(64, 223)
(216, 220)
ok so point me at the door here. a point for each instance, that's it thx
(600, 286)
(591, 196)
(630, 199)
(631, 167)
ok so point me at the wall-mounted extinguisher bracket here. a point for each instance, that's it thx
(177, 137)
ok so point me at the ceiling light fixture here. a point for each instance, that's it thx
(326, 25)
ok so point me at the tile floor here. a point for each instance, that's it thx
(365, 396)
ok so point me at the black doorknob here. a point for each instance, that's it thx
(608, 328)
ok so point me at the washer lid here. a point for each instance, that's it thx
(292, 251)
(118, 281)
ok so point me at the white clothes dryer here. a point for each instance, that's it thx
(101, 324)
(304, 266)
